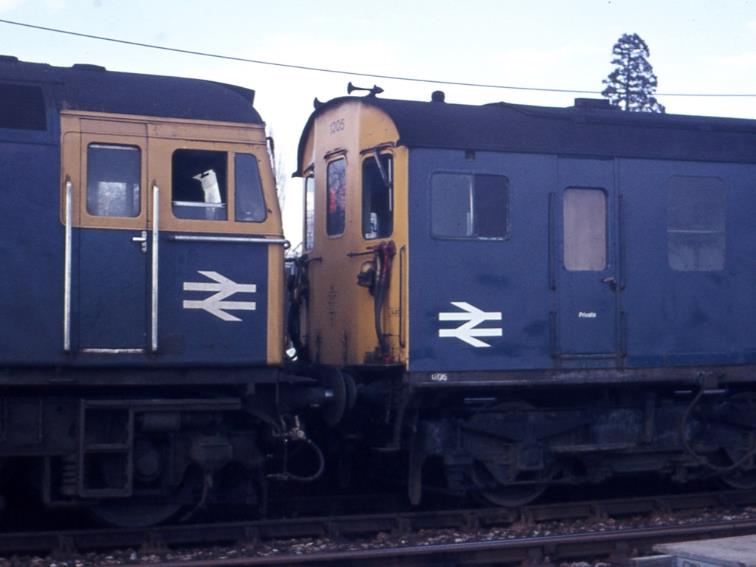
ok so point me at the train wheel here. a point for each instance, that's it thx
(525, 489)
(745, 404)
(513, 495)
(740, 480)
(133, 514)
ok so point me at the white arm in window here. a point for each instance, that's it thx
(209, 183)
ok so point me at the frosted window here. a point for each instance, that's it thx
(113, 174)
(584, 229)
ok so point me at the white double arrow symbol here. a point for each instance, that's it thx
(473, 317)
(216, 304)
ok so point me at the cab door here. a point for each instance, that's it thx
(588, 275)
(109, 276)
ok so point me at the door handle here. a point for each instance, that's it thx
(142, 240)
(611, 281)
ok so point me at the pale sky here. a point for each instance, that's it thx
(697, 46)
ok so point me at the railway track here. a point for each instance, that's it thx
(615, 547)
(490, 535)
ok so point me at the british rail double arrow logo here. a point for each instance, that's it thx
(216, 304)
(468, 331)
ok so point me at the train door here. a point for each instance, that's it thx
(107, 196)
(220, 261)
(587, 279)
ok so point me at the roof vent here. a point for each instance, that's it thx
(8, 59)
(88, 67)
(593, 103)
(438, 96)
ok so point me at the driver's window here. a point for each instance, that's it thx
(199, 179)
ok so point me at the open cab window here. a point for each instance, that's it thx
(377, 196)
(203, 188)
(199, 185)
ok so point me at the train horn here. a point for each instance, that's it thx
(374, 90)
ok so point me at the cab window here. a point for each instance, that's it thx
(336, 197)
(377, 198)
(250, 204)
(199, 184)
(113, 174)
(309, 228)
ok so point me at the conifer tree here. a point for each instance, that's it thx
(632, 83)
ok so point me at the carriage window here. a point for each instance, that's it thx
(336, 205)
(23, 107)
(377, 198)
(469, 206)
(309, 228)
(696, 215)
(250, 205)
(199, 184)
(584, 229)
(113, 174)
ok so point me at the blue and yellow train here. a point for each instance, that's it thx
(142, 296)
(500, 297)
(535, 296)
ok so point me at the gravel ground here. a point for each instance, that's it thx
(423, 537)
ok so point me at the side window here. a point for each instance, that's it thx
(113, 180)
(336, 197)
(23, 107)
(585, 237)
(469, 206)
(696, 222)
(377, 197)
(250, 204)
(199, 184)
(309, 220)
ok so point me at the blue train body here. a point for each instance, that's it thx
(535, 296)
(141, 296)
(99, 309)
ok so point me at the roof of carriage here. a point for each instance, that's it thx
(93, 88)
(589, 128)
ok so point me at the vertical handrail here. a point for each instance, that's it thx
(402, 254)
(552, 245)
(67, 266)
(155, 266)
